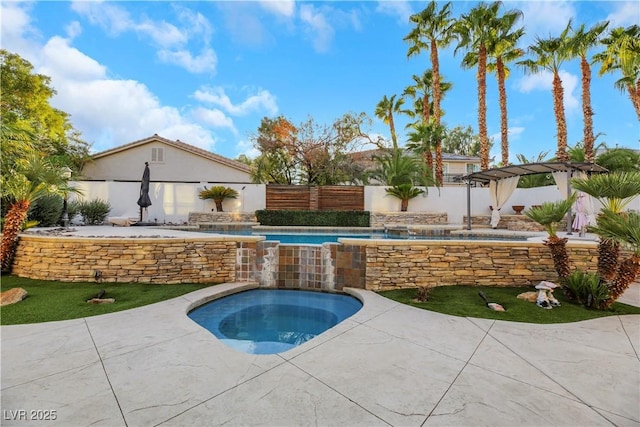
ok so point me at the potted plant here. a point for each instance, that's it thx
(218, 193)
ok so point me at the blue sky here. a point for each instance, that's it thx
(207, 72)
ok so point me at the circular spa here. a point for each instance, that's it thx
(269, 321)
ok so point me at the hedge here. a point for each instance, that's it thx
(313, 218)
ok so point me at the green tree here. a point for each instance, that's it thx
(433, 30)
(462, 141)
(549, 54)
(622, 53)
(404, 192)
(395, 167)
(31, 177)
(423, 138)
(385, 110)
(619, 160)
(580, 43)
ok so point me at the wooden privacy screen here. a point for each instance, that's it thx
(329, 197)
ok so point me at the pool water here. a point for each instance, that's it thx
(269, 321)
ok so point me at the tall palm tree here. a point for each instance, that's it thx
(503, 49)
(423, 138)
(384, 111)
(622, 53)
(32, 177)
(581, 41)
(475, 30)
(433, 30)
(549, 54)
(422, 92)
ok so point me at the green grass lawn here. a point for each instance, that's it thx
(465, 301)
(47, 301)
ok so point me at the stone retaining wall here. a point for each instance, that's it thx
(400, 264)
(213, 217)
(511, 222)
(144, 260)
(379, 219)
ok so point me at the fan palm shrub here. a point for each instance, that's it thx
(549, 214)
(218, 194)
(404, 192)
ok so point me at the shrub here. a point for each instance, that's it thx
(218, 193)
(46, 210)
(587, 289)
(94, 211)
(313, 218)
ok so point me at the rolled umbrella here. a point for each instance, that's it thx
(144, 201)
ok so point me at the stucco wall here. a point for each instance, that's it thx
(177, 165)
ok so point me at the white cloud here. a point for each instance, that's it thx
(401, 9)
(15, 27)
(544, 18)
(285, 8)
(544, 81)
(214, 118)
(205, 62)
(625, 14)
(317, 27)
(247, 148)
(73, 30)
(262, 101)
(61, 61)
(170, 39)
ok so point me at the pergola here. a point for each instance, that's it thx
(486, 176)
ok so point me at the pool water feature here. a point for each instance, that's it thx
(270, 321)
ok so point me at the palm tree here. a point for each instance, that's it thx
(549, 54)
(622, 53)
(424, 138)
(503, 50)
(404, 192)
(433, 29)
(614, 191)
(32, 177)
(624, 229)
(549, 214)
(218, 194)
(581, 41)
(384, 111)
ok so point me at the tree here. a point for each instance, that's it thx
(395, 167)
(502, 50)
(579, 44)
(549, 54)
(309, 153)
(404, 192)
(474, 30)
(462, 141)
(30, 178)
(433, 30)
(619, 160)
(423, 139)
(384, 111)
(622, 52)
(218, 193)
(29, 123)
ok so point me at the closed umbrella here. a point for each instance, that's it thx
(581, 220)
(144, 201)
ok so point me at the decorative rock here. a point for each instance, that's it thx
(101, 301)
(12, 296)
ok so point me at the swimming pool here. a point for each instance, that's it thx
(269, 321)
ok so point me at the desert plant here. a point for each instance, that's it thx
(47, 211)
(423, 293)
(586, 288)
(218, 194)
(94, 211)
(404, 192)
(549, 214)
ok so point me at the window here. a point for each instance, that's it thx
(157, 155)
(472, 167)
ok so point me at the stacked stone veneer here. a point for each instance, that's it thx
(401, 264)
(380, 219)
(511, 222)
(145, 260)
(220, 217)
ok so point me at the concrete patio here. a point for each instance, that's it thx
(389, 364)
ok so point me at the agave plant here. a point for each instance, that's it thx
(549, 214)
(625, 229)
(614, 191)
(404, 192)
(218, 194)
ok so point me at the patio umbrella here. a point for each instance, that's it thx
(144, 201)
(581, 220)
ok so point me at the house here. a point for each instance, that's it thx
(453, 165)
(169, 161)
